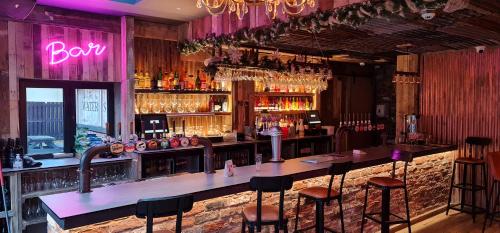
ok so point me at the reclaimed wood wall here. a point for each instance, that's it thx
(153, 53)
(460, 96)
(4, 76)
(32, 59)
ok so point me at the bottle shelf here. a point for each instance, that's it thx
(183, 92)
(290, 112)
(187, 114)
(283, 94)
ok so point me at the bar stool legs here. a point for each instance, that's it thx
(297, 214)
(490, 214)
(451, 187)
(364, 209)
(464, 187)
(385, 213)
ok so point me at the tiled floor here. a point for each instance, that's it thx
(455, 222)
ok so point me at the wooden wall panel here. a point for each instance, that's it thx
(4, 78)
(153, 53)
(460, 96)
(32, 59)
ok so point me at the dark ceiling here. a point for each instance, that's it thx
(479, 24)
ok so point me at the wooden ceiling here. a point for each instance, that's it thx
(479, 24)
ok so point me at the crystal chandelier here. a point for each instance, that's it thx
(240, 7)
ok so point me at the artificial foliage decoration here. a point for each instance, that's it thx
(352, 15)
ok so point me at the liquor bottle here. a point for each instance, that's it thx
(159, 79)
(18, 148)
(147, 81)
(225, 105)
(164, 141)
(198, 81)
(130, 146)
(218, 104)
(176, 81)
(136, 79)
(152, 144)
(213, 85)
(165, 81)
(204, 83)
(9, 153)
(140, 82)
(184, 141)
(211, 104)
(141, 143)
(117, 147)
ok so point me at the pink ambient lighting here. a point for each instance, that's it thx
(58, 53)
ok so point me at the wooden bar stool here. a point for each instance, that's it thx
(258, 215)
(322, 195)
(386, 184)
(163, 207)
(494, 170)
(474, 157)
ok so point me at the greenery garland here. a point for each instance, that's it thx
(352, 15)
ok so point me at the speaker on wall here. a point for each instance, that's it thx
(16, 9)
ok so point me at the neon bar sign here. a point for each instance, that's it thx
(58, 53)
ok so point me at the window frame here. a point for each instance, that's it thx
(69, 106)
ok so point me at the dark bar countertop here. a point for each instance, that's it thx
(73, 209)
(65, 163)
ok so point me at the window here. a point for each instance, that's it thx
(52, 111)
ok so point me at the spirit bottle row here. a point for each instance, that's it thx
(177, 81)
(276, 103)
(281, 87)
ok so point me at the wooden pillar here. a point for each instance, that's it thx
(127, 92)
(13, 104)
(407, 94)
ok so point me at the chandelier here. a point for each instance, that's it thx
(240, 7)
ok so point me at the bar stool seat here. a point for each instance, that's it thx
(269, 213)
(318, 193)
(469, 161)
(256, 216)
(384, 217)
(386, 182)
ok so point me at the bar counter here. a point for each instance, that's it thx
(113, 202)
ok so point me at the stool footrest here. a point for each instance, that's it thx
(377, 218)
(467, 208)
(468, 187)
(313, 226)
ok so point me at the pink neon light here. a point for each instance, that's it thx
(58, 53)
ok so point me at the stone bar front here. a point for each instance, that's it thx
(219, 204)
